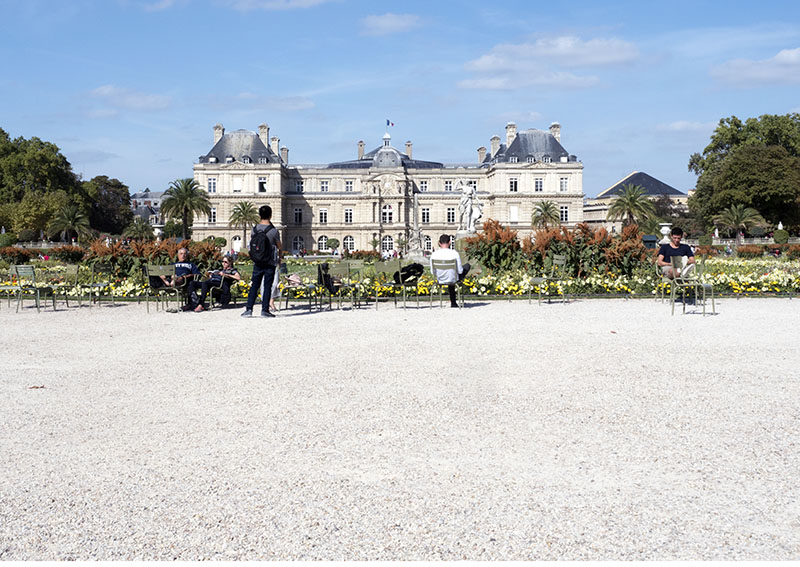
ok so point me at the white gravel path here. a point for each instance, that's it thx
(600, 429)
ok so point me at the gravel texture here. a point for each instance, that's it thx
(600, 429)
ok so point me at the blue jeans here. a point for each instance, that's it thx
(261, 273)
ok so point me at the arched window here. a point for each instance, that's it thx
(349, 243)
(298, 244)
(387, 244)
(428, 244)
(322, 242)
(386, 214)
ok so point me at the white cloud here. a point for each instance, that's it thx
(284, 103)
(782, 69)
(686, 126)
(118, 97)
(160, 5)
(386, 24)
(540, 63)
(102, 113)
(250, 5)
(531, 78)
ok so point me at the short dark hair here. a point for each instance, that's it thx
(676, 231)
(444, 239)
(265, 212)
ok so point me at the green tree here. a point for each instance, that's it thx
(69, 219)
(545, 214)
(739, 218)
(333, 243)
(754, 163)
(33, 166)
(244, 215)
(140, 229)
(631, 205)
(183, 200)
(110, 204)
(172, 229)
(36, 210)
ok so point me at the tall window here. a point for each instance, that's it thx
(262, 184)
(323, 216)
(348, 186)
(297, 244)
(530, 159)
(212, 184)
(349, 243)
(237, 184)
(513, 184)
(563, 183)
(298, 185)
(212, 218)
(426, 215)
(563, 213)
(448, 185)
(386, 214)
(348, 216)
(262, 160)
(298, 215)
(387, 244)
(547, 159)
(513, 213)
(451, 214)
(423, 185)
(538, 184)
(473, 184)
(322, 242)
(428, 244)
(323, 185)
(513, 159)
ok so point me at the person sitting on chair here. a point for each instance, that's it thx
(673, 248)
(219, 279)
(185, 272)
(449, 277)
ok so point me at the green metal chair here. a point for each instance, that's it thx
(340, 275)
(557, 273)
(159, 292)
(100, 283)
(27, 285)
(9, 286)
(68, 283)
(440, 266)
(688, 279)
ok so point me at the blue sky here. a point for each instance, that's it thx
(132, 88)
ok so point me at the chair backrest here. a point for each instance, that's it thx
(678, 265)
(559, 264)
(156, 270)
(439, 266)
(26, 275)
(355, 267)
(388, 267)
(339, 270)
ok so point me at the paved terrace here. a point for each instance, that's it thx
(601, 429)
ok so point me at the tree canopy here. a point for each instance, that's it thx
(110, 200)
(183, 200)
(632, 205)
(755, 163)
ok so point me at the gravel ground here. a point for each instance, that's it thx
(600, 429)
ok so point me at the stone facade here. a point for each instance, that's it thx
(385, 195)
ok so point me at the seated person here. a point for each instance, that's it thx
(449, 277)
(218, 279)
(674, 248)
(185, 272)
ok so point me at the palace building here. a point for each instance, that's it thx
(384, 198)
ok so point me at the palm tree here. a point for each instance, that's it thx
(244, 215)
(183, 200)
(739, 218)
(545, 214)
(631, 205)
(69, 219)
(140, 229)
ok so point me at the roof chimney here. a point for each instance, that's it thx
(408, 149)
(481, 154)
(273, 144)
(495, 144)
(218, 132)
(285, 155)
(555, 130)
(511, 133)
(360, 149)
(263, 133)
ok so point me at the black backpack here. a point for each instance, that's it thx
(262, 250)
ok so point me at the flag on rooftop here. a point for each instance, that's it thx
(389, 122)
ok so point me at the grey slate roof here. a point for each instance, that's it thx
(371, 160)
(652, 186)
(238, 144)
(534, 143)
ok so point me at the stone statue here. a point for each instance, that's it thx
(469, 207)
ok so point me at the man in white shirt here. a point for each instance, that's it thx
(448, 277)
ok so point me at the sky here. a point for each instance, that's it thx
(132, 88)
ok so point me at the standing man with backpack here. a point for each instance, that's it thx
(264, 252)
